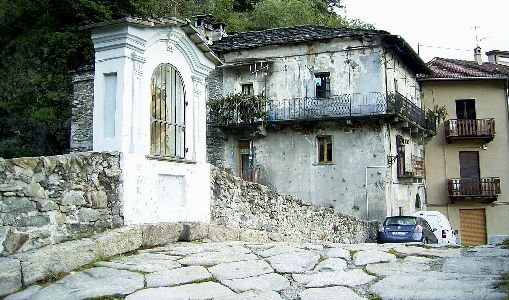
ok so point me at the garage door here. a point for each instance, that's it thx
(473, 227)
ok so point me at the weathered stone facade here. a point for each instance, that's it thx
(81, 107)
(47, 200)
(240, 204)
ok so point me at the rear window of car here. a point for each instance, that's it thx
(401, 221)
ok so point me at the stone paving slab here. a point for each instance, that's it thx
(95, 282)
(277, 250)
(331, 264)
(265, 282)
(240, 269)
(428, 251)
(488, 250)
(177, 276)
(214, 258)
(365, 257)
(144, 262)
(409, 264)
(338, 252)
(337, 292)
(296, 262)
(323, 279)
(195, 291)
(477, 265)
(437, 285)
(253, 295)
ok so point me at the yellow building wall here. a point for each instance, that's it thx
(442, 159)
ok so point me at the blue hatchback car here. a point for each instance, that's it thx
(401, 229)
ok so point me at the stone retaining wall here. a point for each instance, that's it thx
(244, 205)
(47, 200)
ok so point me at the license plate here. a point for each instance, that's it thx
(398, 233)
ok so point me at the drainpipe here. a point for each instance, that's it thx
(366, 185)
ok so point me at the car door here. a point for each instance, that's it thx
(430, 235)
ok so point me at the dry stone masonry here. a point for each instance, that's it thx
(81, 107)
(47, 200)
(240, 204)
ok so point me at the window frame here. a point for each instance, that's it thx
(323, 141)
(168, 113)
(319, 89)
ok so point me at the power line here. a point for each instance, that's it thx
(439, 47)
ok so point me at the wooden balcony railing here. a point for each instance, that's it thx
(467, 129)
(488, 187)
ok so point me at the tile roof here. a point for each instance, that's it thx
(309, 33)
(455, 68)
(286, 35)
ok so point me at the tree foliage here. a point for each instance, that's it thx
(40, 44)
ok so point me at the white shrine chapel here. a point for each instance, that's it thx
(150, 105)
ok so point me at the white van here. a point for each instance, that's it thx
(439, 225)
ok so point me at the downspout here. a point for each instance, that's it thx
(366, 185)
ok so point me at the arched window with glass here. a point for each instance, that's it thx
(167, 121)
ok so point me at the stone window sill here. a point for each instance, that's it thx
(170, 159)
(324, 164)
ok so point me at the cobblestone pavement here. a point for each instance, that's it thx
(241, 270)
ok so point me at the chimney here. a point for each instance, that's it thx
(498, 57)
(478, 55)
(218, 31)
(208, 29)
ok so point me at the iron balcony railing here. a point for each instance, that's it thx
(338, 106)
(474, 187)
(474, 128)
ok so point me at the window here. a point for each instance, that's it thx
(167, 122)
(246, 159)
(247, 89)
(417, 201)
(465, 109)
(322, 83)
(324, 149)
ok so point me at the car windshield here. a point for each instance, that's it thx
(401, 221)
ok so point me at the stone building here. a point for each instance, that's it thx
(148, 104)
(333, 116)
(468, 173)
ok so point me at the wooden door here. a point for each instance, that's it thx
(470, 183)
(473, 227)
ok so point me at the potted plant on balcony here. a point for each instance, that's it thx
(238, 108)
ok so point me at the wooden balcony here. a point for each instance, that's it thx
(456, 129)
(486, 189)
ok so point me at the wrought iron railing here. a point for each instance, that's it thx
(474, 128)
(474, 187)
(337, 106)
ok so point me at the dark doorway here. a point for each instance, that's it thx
(469, 173)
